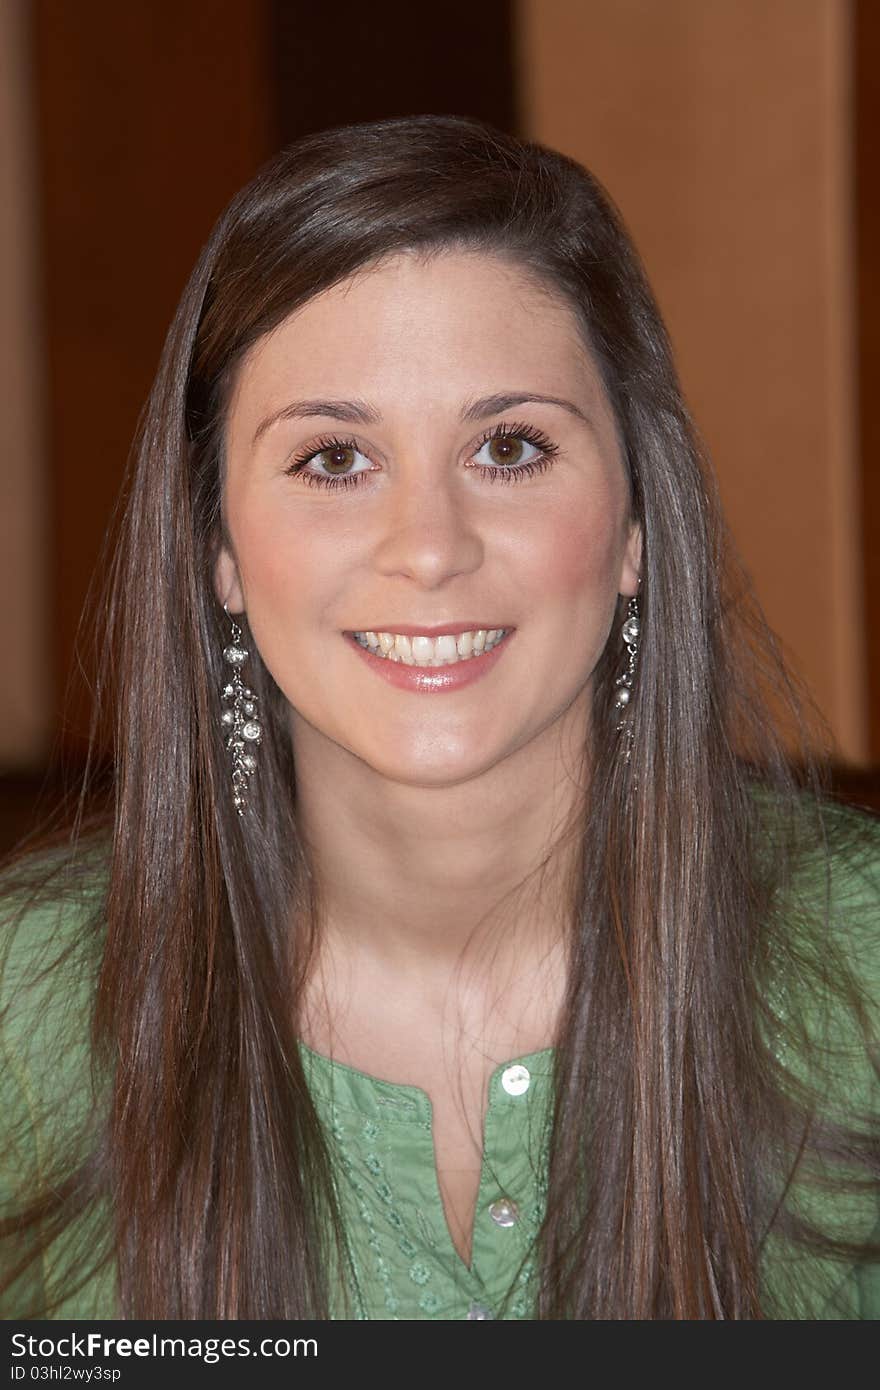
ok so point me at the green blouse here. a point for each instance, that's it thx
(401, 1262)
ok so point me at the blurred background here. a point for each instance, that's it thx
(736, 136)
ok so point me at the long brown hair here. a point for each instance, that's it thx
(676, 1126)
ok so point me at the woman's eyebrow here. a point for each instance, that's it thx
(360, 413)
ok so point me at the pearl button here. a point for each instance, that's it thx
(515, 1080)
(479, 1312)
(504, 1212)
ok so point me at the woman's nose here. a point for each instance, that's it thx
(428, 529)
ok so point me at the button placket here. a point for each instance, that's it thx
(515, 1081)
(503, 1225)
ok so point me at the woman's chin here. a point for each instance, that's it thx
(437, 766)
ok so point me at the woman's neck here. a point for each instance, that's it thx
(410, 877)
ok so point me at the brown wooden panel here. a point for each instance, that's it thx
(867, 175)
(150, 115)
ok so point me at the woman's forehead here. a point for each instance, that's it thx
(472, 317)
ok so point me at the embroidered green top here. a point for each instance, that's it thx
(402, 1263)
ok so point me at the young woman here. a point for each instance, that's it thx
(462, 944)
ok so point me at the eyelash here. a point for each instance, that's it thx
(515, 472)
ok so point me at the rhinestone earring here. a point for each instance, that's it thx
(630, 634)
(239, 720)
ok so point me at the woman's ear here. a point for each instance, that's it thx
(227, 584)
(631, 569)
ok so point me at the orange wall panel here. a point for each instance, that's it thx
(724, 133)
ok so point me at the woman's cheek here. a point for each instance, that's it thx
(582, 554)
(273, 555)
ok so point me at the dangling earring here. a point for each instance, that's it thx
(630, 634)
(238, 719)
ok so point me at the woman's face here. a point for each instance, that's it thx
(392, 381)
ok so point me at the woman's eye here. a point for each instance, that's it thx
(336, 459)
(506, 453)
(514, 452)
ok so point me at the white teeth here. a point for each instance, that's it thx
(445, 648)
(431, 651)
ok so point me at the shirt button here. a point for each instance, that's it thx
(515, 1080)
(479, 1312)
(504, 1212)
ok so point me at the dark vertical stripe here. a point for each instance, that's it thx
(347, 62)
(150, 115)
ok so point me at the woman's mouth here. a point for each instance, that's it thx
(446, 662)
(443, 650)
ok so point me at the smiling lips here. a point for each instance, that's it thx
(442, 663)
(422, 650)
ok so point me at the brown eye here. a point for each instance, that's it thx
(502, 454)
(332, 463)
(505, 448)
(339, 458)
(512, 451)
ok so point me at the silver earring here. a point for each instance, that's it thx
(630, 634)
(239, 720)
